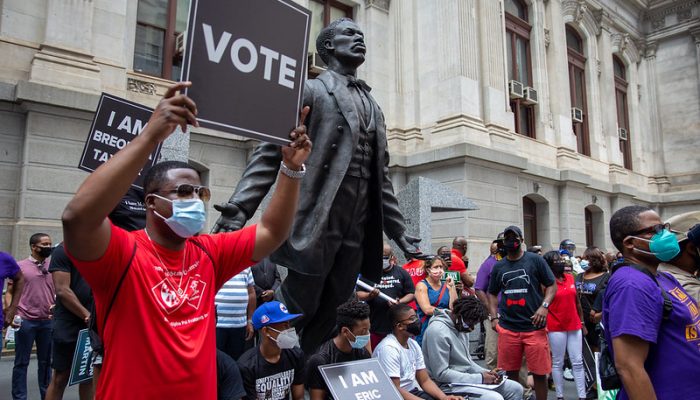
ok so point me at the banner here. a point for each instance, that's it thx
(117, 122)
(247, 64)
(359, 380)
(81, 368)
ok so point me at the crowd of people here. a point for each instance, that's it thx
(173, 313)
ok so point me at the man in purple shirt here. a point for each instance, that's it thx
(35, 309)
(654, 351)
(10, 269)
(483, 276)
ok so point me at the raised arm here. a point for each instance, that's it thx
(276, 221)
(86, 230)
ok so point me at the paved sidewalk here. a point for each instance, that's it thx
(6, 364)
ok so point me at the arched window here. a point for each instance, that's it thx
(519, 65)
(529, 221)
(577, 88)
(623, 125)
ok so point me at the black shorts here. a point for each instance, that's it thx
(63, 355)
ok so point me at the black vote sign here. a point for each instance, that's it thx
(359, 380)
(247, 61)
(117, 122)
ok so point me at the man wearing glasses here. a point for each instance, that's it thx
(651, 323)
(154, 288)
(34, 308)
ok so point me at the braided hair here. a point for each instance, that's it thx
(468, 310)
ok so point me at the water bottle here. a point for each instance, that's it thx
(17, 322)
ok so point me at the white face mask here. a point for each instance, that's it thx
(286, 339)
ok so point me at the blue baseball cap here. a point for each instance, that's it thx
(272, 312)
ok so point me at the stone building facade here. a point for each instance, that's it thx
(447, 74)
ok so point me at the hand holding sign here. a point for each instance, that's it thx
(172, 110)
(298, 151)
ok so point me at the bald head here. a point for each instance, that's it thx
(387, 250)
(460, 243)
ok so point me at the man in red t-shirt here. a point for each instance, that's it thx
(154, 289)
(460, 261)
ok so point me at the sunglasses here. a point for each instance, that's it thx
(651, 229)
(185, 190)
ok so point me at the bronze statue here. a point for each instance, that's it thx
(347, 199)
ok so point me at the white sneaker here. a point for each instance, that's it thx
(568, 374)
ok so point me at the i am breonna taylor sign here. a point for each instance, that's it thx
(117, 122)
(247, 60)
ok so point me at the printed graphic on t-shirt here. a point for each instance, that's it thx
(691, 330)
(516, 284)
(170, 294)
(274, 387)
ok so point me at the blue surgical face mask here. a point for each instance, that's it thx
(189, 216)
(663, 246)
(360, 341)
(584, 265)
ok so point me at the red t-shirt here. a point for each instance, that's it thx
(563, 314)
(160, 341)
(457, 263)
(415, 269)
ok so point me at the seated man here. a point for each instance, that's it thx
(274, 369)
(402, 359)
(446, 352)
(352, 322)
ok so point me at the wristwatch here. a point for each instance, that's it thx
(292, 173)
(491, 317)
(545, 304)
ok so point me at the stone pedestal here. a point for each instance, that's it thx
(418, 200)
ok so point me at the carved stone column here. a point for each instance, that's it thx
(696, 37)
(656, 127)
(64, 58)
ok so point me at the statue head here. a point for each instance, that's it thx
(343, 41)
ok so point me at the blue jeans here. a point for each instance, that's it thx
(30, 331)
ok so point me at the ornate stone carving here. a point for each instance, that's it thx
(620, 41)
(658, 23)
(684, 15)
(380, 4)
(547, 37)
(135, 85)
(581, 10)
(650, 50)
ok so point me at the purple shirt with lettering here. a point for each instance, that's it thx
(633, 305)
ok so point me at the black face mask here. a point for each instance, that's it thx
(558, 268)
(511, 245)
(414, 328)
(45, 251)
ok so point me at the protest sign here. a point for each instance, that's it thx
(247, 61)
(81, 368)
(359, 380)
(117, 122)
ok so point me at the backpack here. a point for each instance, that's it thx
(609, 379)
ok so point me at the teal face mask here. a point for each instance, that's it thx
(360, 341)
(663, 246)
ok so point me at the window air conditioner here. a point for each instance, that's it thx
(576, 114)
(530, 96)
(180, 43)
(315, 63)
(622, 133)
(515, 90)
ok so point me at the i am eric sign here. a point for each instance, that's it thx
(359, 380)
(247, 63)
(81, 368)
(117, 122)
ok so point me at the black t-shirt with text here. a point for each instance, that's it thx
(66, 324)
(519, 283)
(264, 380)
(328, 353)
(396, 283)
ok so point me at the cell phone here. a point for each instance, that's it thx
(501, 375)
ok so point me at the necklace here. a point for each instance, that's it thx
(165, 269)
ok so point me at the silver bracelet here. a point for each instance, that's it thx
(292, 173)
